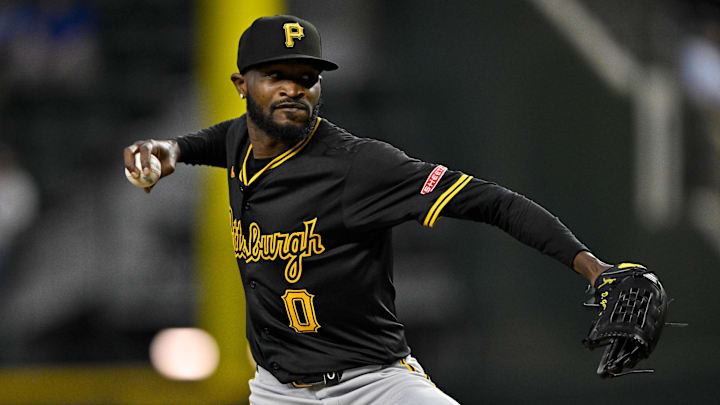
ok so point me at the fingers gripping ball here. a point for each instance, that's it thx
(633, 306)
(145, 180)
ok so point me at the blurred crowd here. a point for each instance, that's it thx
(49, 49)
(78, 81)
(49, 44)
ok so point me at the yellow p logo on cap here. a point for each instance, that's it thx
(292, 31)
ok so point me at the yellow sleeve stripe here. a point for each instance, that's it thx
(434, 213)
(280, 159)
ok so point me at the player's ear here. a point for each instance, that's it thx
(318, 83)
(240, 84)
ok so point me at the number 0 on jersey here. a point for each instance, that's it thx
(301, 311)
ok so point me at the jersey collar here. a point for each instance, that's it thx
(280, 159)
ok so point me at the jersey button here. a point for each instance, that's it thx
(246, 207)
(275, 366)
(265, 331)
(253, 284)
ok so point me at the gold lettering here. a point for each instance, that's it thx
(253, 245)
(606, 281)
(292, 247)
(314, 243)
(292, 31)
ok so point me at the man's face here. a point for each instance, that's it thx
(283, 99)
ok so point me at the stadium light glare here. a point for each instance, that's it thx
(184, 354)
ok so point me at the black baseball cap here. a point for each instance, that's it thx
(278, 38)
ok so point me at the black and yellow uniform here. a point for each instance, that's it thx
(311, 232)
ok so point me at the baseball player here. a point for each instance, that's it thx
(311, 211)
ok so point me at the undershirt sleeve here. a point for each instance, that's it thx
(522, 218)
(205, 147)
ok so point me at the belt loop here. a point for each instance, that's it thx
(327, 379)
(332, 377)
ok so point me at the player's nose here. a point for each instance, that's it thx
(292, 89)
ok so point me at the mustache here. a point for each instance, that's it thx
(289, 102)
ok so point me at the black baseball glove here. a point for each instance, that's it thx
(633, 306)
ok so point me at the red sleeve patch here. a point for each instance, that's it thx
(433, 179)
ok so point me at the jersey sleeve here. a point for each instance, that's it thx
(205, 147)
(385, 187)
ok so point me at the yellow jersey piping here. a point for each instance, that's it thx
(434, 213)
(280, 159)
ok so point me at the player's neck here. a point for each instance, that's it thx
(263, 145)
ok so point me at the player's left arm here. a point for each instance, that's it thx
(526, 221)
(387, 187)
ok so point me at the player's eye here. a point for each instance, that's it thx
(308, 80)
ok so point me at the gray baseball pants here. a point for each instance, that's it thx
(401, 383)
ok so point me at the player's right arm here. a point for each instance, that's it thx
(205, 147)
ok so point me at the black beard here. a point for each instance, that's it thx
(283, 133)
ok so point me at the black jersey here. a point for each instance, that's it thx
(311, 233)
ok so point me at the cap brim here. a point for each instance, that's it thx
(320, 63)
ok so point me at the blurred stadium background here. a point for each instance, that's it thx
(607, 113)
